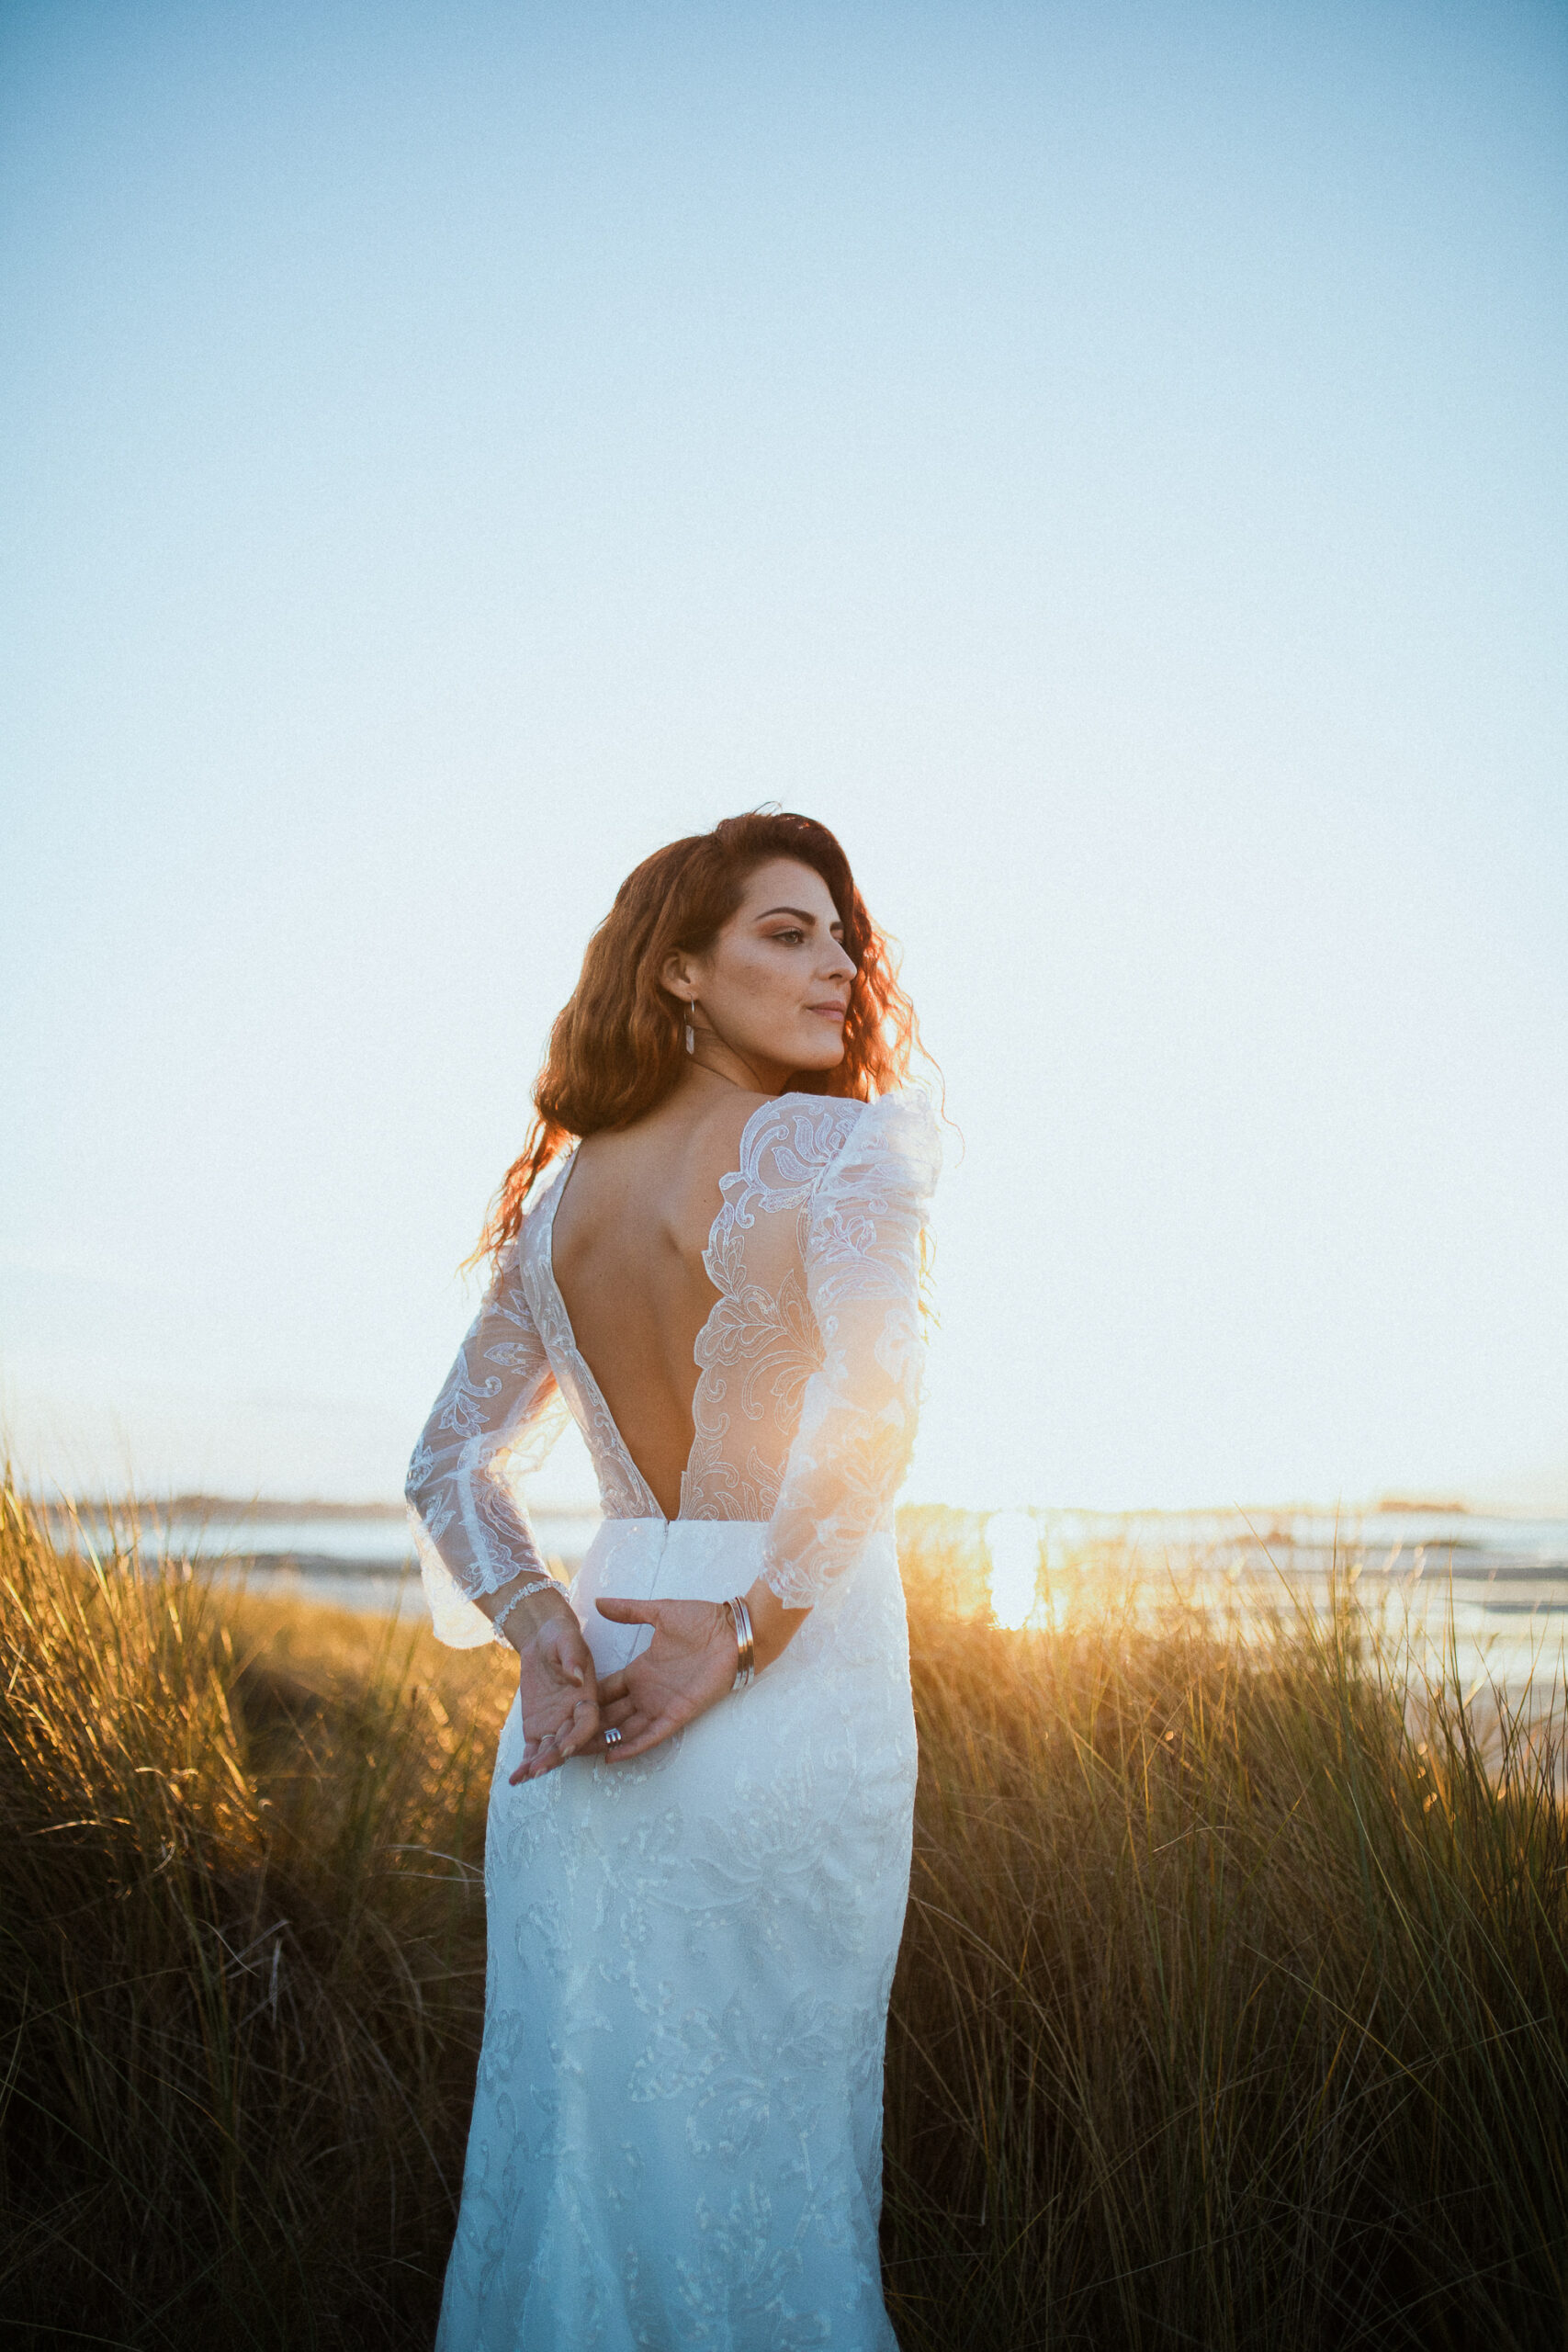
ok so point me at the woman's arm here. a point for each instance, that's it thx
(496, 1419)
(859, 1414)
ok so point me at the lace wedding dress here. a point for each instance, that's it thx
(677, 2125)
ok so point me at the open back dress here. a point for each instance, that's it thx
(677, 2124)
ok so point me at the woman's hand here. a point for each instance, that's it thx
(558, 1694)
(689, 1664)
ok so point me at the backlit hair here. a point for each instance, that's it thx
(616, 1048)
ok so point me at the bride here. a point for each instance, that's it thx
(697, 1856)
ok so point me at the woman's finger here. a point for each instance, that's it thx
(649, 1735)
(580, 1734)
(643, 1722)
(630, 1720)
(581, 1725)
(543, 1755)
(627, 1612)
(601, 1747)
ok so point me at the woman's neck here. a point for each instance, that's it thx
(755, 1075)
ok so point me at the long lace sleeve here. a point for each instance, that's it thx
(496, 1420)
(863, 1278)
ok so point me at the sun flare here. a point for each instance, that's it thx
(1013, 1546)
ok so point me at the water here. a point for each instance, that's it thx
(1506, 1579)
(1496, 1586)
(359, 1559)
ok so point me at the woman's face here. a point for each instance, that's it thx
(774, 986)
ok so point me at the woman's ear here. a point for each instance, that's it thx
(675, 977)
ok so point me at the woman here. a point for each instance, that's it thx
(698, 1847)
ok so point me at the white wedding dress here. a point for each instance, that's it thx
(677, 2124)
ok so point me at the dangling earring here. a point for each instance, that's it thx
(691, 1032)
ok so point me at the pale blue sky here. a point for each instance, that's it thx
(1108, 461)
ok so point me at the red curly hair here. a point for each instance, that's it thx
(616, 1048)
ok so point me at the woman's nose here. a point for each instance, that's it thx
(840, 965)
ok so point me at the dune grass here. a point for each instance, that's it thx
(240, 1957)
(1231, 2010)
(1233, 2007)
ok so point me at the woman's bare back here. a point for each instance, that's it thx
(630, 1229)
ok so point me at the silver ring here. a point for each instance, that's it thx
(611, 1738)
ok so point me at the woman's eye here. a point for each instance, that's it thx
(791, 938)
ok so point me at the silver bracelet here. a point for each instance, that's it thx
(745, 1644)
(524, 1592)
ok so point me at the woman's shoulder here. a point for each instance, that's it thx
(893, 1141)
(786, 1143)
(538, 1216)
(549, 1182)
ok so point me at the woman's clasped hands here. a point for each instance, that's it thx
(567, 1711)
(558, 1695)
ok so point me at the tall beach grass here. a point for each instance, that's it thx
(240, 1957)
(1234, 2008)
(1231, 2010)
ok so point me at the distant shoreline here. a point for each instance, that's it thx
(268, 1508)
(222, 1507)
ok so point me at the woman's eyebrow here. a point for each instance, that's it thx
(836, 928)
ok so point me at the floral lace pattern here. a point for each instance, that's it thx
(808, 1367)
(856, 1427)
(495, 1421)
(677, 2126)
(676, 2136)
(760, 1344)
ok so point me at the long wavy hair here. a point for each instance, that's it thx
(616, 1048)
